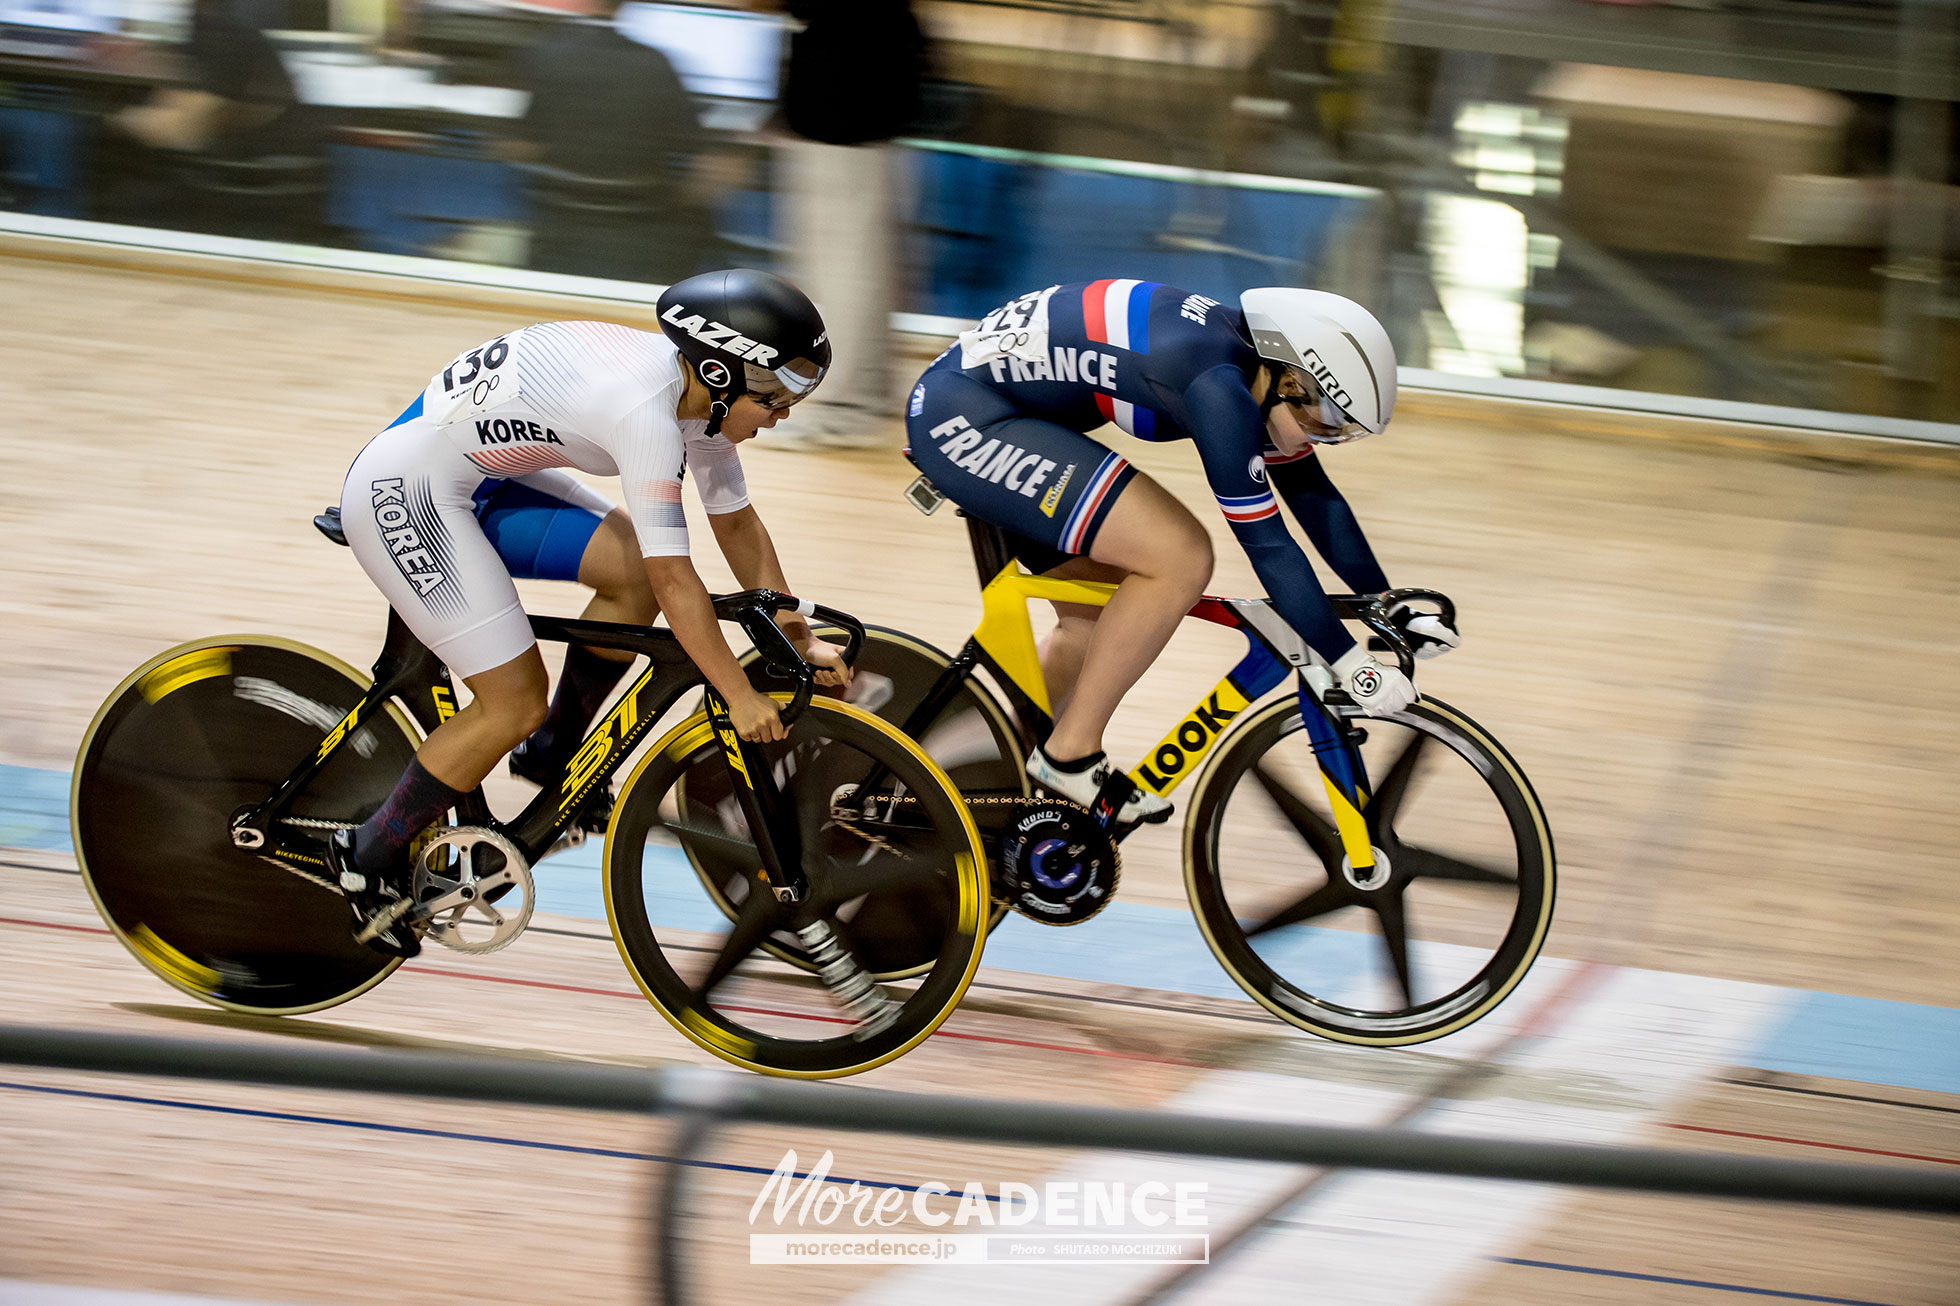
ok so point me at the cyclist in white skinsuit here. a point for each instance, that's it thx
(466, 490)
(589, 395)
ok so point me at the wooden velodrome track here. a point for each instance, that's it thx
(1729, 660)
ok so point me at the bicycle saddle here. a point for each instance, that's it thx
(328, 524)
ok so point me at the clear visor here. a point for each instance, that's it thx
(778, 388)
(1320, 417)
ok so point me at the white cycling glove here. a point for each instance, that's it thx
(1429, 635)
(1376, 689)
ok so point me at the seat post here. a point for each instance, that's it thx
(990, 553)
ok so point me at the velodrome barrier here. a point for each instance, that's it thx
(705, 1100)
(729, 1098)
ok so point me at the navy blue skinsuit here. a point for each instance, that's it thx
(1004, 439)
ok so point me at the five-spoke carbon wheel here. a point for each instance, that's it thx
(1428, 939)
(860, 972)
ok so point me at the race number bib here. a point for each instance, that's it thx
(1018, 329)
(475, 383)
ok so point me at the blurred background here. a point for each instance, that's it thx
(1743, 200)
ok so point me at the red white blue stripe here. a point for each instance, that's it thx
(1117, 312)
(1248, 507)
(1075, 530)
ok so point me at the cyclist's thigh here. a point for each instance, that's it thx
(1151, 532)
(1032, 477)
(411, 522)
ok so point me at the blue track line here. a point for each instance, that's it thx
(495, 1139)
(1685, 1283)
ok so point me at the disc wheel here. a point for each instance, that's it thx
(907, 878)
(1429, 939)
(191, 737)
(973, 739)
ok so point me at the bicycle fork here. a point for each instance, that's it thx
(1336, 747)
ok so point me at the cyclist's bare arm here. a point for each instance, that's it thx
(751, 555)
(691, 616)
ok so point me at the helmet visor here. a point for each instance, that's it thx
(778, 388)
(1320, 418)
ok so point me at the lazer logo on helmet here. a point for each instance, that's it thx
(724, 338)
(715, 372)
(1330, 387)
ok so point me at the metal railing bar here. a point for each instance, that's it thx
(740, 1099)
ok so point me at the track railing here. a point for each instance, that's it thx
(704, 1101)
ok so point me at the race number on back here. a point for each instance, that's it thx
(476, 382)
(1017, 329)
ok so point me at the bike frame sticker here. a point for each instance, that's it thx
(1191, 738)
(1188, 742)
(339, 732)
(599, 747)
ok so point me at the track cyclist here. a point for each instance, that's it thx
(465, 490)
(998, 422)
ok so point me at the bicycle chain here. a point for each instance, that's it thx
(308, 823)
(306, 875)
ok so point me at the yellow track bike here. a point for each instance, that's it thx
(1378, 881)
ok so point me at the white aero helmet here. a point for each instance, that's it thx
(1338, 348)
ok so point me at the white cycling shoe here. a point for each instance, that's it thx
(1084, 786)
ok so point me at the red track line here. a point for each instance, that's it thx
(758, 1011)
(1811, 1142)
(829, 1020)
(53, 925)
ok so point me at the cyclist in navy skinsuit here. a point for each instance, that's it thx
(997, 424)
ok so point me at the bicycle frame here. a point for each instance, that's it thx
(408, 672)
(1004, 643)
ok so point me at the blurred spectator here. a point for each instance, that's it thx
(612, 134)
(238, 102)
(852, 83)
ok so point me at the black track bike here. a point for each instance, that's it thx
(842, 921)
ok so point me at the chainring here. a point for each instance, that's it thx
(459, 874)
(1058, 866)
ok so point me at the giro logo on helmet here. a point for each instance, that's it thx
(1328, 385)
(725, 338)
(715, 373)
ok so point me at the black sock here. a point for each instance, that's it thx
(418, 799)
(584, 684)
(1076, 767)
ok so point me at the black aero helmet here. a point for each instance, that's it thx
(746, 332)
